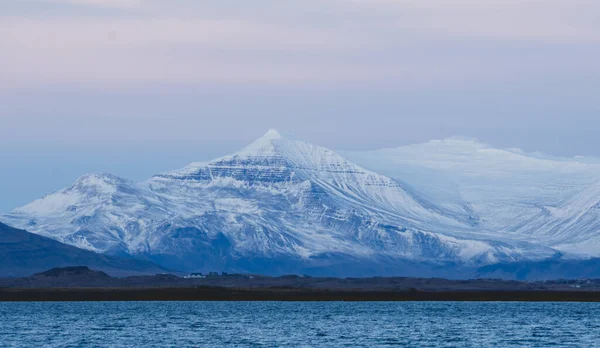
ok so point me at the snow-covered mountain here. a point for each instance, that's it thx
(546, 200)
(278, 206)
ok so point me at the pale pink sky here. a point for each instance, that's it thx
(139, 86)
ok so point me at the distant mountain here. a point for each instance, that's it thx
(23, 253)
(281, 205)
(533, 197)
(170, 286)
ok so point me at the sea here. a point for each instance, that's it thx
(299, 324)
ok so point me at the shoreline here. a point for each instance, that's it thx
(291, 295)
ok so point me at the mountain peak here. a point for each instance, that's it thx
(96, 179)
(272, 134)
(99, 183)
(263, 146)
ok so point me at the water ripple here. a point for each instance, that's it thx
(293, 324)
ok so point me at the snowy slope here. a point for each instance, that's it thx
(279, 205)
(99, 212)
(542, 199)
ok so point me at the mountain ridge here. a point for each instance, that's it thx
(23, 253)
(281, 205)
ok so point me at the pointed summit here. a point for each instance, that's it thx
(272, 134)
(263, 146)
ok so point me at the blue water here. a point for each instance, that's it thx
(299, 324)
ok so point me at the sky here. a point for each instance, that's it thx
(136, 87)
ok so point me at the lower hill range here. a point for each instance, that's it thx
(79, 283)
